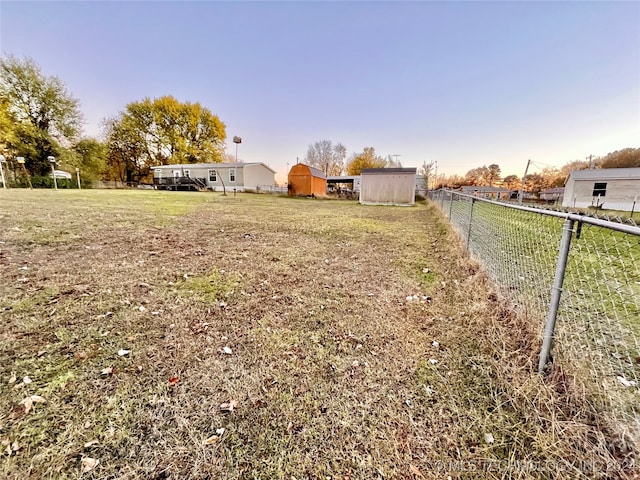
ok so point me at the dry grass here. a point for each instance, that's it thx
(336, 374)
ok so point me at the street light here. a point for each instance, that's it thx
(52, 160)
(2, 160)
(237, 140)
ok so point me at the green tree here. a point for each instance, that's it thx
(47, 118)
(326, 156)
(90, 156)
(366, 159)
(159, 131)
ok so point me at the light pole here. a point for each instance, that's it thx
(524, 179)
(2, 160)
(78, 177)
(52, 160)
(237, 140)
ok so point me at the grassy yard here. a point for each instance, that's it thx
(157, 335)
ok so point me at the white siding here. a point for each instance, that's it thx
(619, 195)
(388, 189)
(255, 175)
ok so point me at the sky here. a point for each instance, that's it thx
(463, 84)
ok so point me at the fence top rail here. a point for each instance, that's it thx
(619, 227)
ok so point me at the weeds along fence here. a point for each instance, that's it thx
(578, 279)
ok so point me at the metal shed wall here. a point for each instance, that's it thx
(394, 187)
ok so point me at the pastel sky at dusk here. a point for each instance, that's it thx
(461, 83)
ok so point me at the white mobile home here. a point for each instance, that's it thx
(608, 188)
(388, 186)
(239, 176)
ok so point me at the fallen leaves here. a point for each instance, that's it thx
(10, 447)
(228, 406)
(89, 464)
(29, 401)
(627, 383)
(173, 380)
(122, 352)
(106, 371)
(213, 439)
(227, 350)
(415, 471)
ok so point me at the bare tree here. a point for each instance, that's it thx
(326, 156)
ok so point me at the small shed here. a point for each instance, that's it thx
(306, 181)
(388, 186)
(609, 188)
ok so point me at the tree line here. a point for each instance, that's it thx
(541, 177)
(39, 119)
(332, 159)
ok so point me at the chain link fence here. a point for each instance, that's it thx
(578, 279)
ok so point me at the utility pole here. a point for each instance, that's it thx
(591, 165)
(521, 196)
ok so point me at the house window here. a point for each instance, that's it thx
(213, 176)
(232, 175)
(187, 173)
(599, 189)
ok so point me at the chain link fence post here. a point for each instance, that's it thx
(473, 201)
(450, 204)
(556, 292)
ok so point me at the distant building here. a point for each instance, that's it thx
(306, 181)
(609, 188)
(486, 191)
(61, 174)
(353, 182)
(552, 194)
(388, 186)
